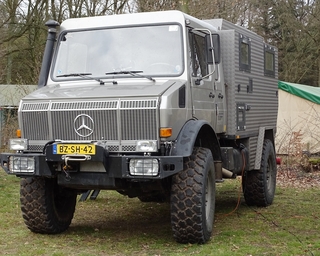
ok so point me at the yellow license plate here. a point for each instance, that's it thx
(63, 149)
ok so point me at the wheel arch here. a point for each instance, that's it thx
(197, 133)
(270, 134)
(264, 134)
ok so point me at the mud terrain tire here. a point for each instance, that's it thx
(46, 207)
(193, 198)
(259, 185)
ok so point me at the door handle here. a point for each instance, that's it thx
(211, 95)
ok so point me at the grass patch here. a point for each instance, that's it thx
(116, 225)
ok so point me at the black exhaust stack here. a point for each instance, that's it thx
(48, 52)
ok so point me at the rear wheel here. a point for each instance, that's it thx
(193, 198)
(46, 207)
(259, 185)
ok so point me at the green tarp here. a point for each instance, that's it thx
(303, 91)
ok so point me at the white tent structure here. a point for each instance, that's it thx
(298, 125)
(10, 96)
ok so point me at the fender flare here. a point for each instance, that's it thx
(196, 133)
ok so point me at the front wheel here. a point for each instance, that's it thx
(259, 185)
(193, 198)
(46, 207)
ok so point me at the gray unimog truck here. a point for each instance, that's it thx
(158, 106)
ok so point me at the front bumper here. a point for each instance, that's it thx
(109, 166)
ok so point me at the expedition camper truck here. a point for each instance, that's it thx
(158, 106)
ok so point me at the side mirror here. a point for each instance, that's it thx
(215, 39)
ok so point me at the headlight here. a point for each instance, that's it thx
(144, 167)
(146, 146)
(21, 164)
(18, 144)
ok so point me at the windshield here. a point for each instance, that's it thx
(153, 50)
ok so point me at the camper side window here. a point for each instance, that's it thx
(269, 61)
(244, 54)
(199, 67)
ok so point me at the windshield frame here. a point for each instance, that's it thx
(55, 78)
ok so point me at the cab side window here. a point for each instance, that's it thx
(199, 67)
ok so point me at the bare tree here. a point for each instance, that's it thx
(152, 5)
(23, 33)
(292, 25)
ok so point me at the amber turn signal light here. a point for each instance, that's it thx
(165, 132)
(18, 133)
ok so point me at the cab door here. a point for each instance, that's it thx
(202, 86)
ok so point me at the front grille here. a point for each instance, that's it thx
(119, 122)
(35, 106)
(128, 148)
(105, 124)
(140, 129)
(35, 148)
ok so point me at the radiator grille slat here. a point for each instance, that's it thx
(138, 130)
(35, 125)
(35, 106)
(119, 122)
(84, 105)
(105, 125)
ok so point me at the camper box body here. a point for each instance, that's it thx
(250, 83)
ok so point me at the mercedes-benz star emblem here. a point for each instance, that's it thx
(83, 125)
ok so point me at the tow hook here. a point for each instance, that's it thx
(65, 168)
(67, 158)
(76, 157)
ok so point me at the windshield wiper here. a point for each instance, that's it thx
(133, 73)
(84, 75)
